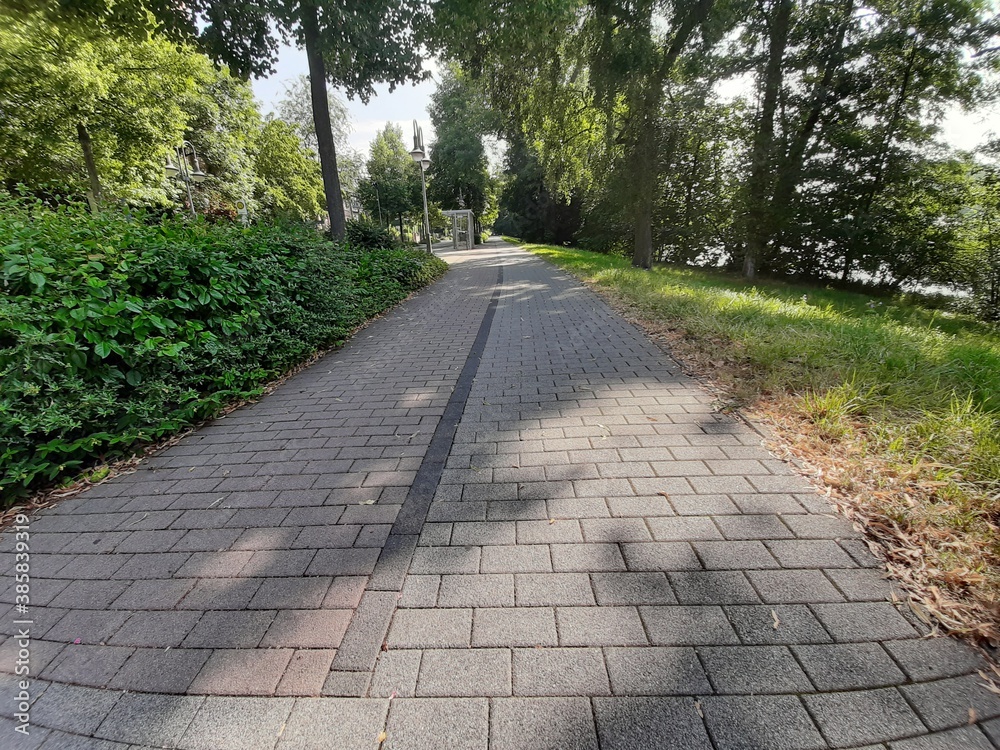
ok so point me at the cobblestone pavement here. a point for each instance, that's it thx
(499, 518)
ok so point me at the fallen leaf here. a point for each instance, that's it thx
(551, 521)
(972, 716)
(366, 502)
(382, 736)
(697, 707)
(774, 616)
(664, 494)
(920, 612)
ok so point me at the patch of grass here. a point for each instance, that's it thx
(896, 404)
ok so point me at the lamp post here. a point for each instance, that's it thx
(420, 157)
(183, 172)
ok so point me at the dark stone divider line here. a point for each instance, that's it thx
(363, 640)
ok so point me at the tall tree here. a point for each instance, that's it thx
(392, 185)
(459, 173)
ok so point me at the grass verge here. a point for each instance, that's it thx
(896, 409)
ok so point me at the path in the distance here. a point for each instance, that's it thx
(498, 518)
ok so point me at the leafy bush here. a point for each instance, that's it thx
(365, 233)
(115, 332)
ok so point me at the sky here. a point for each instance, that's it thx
(409, 102)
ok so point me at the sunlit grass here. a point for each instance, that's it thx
(901, 402)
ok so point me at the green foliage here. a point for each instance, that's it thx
(290, 184)
(54, 79)
(459, 175)
(367, 234)
(392, 186)
(115, 331)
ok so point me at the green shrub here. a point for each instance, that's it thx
(365, 233)
(115, 332)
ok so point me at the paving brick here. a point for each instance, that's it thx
(793, 586)
(687, 626)
(599, 626)
(508, 627)
(89, 626)
(435, 535)
(712, 587)
(816, 526)
(863, 621)
(933, 658)
(492, 590)
(445, 560)
(461, 673)
(431, 628)
(753, 670)
(551, 723)
(760, 722)
(396, 674)
(357, 561)
(632, 588)
(158, 565)
(432, 723)
(579, 507)
(639, 507)
(153, 594)
(968, 738)
(861, 584)
(703, 505)
(560, 672)
(809, 553)
(255, 671)
(946, 703)
(555, 531)
(784, 504)
(82, 665)
(224, 723)
(220, 593)
(229, 629)
(305, 628)
(641, 723)
(89, 594)
(749, 555)
(150, 719)
(532, 558)
(615, 530)
(656, 670)
(683, 529)
(160, 671)
(213, 565)
(753, 527)
(74, 709)
(157, 629)
(850, 666)
(553, 589)
(864, 716)
(484, 532)
(294, 593)
(568, 558)
(306, 672)
(420, 591)
(755, 624)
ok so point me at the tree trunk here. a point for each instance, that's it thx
(401, 228)
(790, 172)
(321, 119)
(94, 195)
(756, 219)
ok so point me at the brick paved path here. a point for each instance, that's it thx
(499, 518)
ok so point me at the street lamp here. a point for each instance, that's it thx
(184, 152)
(421, 158)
